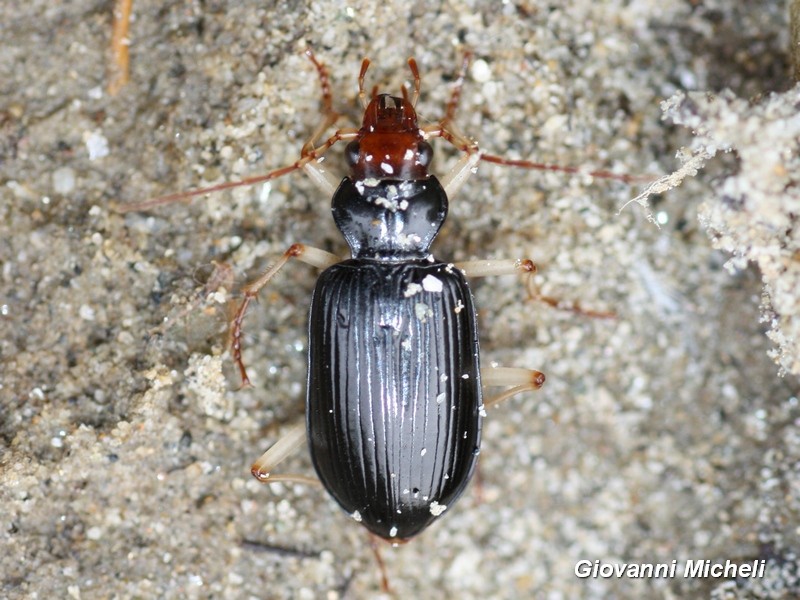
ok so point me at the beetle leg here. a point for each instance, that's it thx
(277, 453)
(321, 177)
(482, 268)
(461, 171)
(310, 156)
(330, 115)
(455, 94)
(307, 254)
(521, 380)
(466, 166)
(535, 294)
(376, 552)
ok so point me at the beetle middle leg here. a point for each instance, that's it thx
(520, 380)
(481, 268)
(307, 254)
(572, 306)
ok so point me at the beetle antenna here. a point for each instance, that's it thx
(412, 64)
(362, 96)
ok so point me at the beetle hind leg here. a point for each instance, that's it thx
(520, 380)
(277, 453)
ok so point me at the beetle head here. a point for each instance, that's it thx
(390, 144)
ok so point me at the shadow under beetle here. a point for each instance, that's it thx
(394, 392)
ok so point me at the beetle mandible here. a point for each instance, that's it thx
(394, 391)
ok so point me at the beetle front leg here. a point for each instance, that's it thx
(307, 254)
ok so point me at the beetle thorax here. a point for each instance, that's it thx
(388, 219)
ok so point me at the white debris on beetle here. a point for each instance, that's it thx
(409, 240)
(432, 284)
(386, 203)
(437, 509)
(393, 532)
(458, 307)
(412, 289)
(422, 311)
(370, 181)
(482, 410)
(440, 398)
(356, 516)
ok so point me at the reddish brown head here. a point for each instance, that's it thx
(390, 144)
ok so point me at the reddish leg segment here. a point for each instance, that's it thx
(308, 156)
(520, 380)
(447, 130)
(307, 254)
(571, 306)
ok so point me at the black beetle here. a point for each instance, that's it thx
(394, 399)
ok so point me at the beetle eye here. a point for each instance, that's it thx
(352, 153)
(424, 154)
